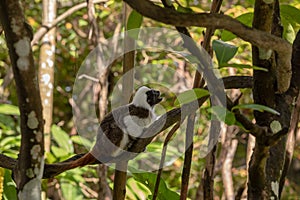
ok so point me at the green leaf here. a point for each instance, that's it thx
(184, 9)
(192, 59)
(223, 114)
(9, 109)
(9, 141)
(62, 139)
(70, 190)
(190, 95)
(82, 22)
(75, 175)
(290, 13)
(81, 141)
(59, 152)
(135, 20)
(288, 30)
(260, 108)
(104, 13)
(224, 51)
(149, 179)
(9, 186)
(134, 188)
(290, 16)
(245, 18)
(50, 157)
(242, 66)
(289, 33)
(6, 122)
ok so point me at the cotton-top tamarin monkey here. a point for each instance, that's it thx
(118, 131)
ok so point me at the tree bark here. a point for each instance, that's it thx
(119, 192)
(29, 168)
(46, 68)
(263, 93)
(267, 162)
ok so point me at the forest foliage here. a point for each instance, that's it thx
(232, 56)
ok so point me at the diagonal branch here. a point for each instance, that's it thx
(212, 20)
(254, 129)
(164, 122)
(7, 162)
(256, 37)
(46, 27)
(162, 159)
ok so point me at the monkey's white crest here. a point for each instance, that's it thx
(140, 98)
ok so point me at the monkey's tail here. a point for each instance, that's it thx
(79, 160)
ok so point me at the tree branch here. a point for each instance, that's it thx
(7, 162)
(256, 37)
(162, 159)
(254, 129)
(230, 82)
(46, 27)
(227, 166)
(295, 85)
(212, 20)
(164, 122)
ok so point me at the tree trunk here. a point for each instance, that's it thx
(267, 162)
(28, 171)
(46, 68)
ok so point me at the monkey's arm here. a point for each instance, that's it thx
(78, 160)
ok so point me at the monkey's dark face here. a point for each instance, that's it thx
(153, 97)
(146, 98)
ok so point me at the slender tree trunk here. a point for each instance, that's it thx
(119, 192)
(46, 68)
(46, 71)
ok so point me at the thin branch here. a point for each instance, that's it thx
(290, 146)
(215, 8)
(101, 91)
(128, 86)
(230, 82)
(209, 170)
(190, 44)
(227, 165)
(254, 129)
(189, 145)
(188, 155)
(46, 27)
(198, 81)
(7, 162)
(162, 159)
